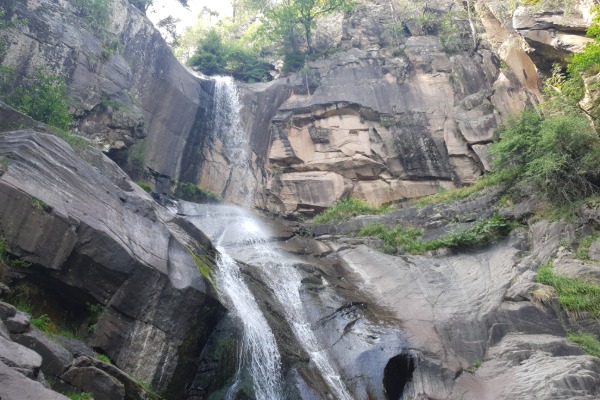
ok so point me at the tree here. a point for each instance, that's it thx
(169, 24)
(286, 16)
(210, 55)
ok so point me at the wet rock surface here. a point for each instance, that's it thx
(112, 247)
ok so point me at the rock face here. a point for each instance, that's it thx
(390, 118)
(553, 34)
(474, 320)
(130, 96)
(94, 236)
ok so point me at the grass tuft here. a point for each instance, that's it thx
(409, 239)
(588, 341)
(583, 250)
(483, 182)
(144, 185)
(346, 208)
(577, 295)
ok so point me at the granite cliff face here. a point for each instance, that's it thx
(402, 109)
(92, 236)
(394, 114)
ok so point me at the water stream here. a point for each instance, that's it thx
(238, 232)
(235, 146)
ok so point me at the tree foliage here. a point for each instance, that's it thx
(43, 97)
(96, 12)
(216, 55)
(557, 155)
(284, 21)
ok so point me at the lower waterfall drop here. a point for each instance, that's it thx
(259, 349)
(237, 232)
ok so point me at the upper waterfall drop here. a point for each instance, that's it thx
(227, 128)
(227, 122)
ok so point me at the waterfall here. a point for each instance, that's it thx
(226, 119)
(259, 348)
(285, 281)
(259, 351)
(235, 146)
(237, 231)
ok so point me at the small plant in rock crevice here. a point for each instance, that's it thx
(588, 341)
(80, 396)
(346, 208)
(578, 296)
(583, 250)
(409, 239)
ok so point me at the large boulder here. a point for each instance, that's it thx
(102, 238)
(15, 386)
(55, 359)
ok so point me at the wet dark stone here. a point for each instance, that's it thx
(398, 372)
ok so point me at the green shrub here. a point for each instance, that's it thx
(43, 97)
(96, 12)
(346, 208)
(559, 156)
(588, 341)
(144, 185)
(216, 56)
(190, 192)
(409, 239)
(42, 322)
(209, 57)
(576, 295)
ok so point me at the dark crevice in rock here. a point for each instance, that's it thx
(398, 372)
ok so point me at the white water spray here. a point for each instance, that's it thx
(285, 281)
(227, 127)
(226, 118)
(259, 349)
(237, 229)
(259, 352)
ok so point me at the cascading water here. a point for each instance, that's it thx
(235, 229)
(227, 128)
(226, 118)
(285, 282)
(259, 349)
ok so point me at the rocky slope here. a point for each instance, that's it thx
(399, 111)
(474, 325)
(92, 236)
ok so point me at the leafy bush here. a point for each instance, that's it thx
(96, 12)
(559, 156)
(588, 341)
(215, 56)
(43, 97)
(42, 322)
(588, 60)
(576, 295)
(409, 239)
(190, 192)
(210, 54)
(346, 208)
